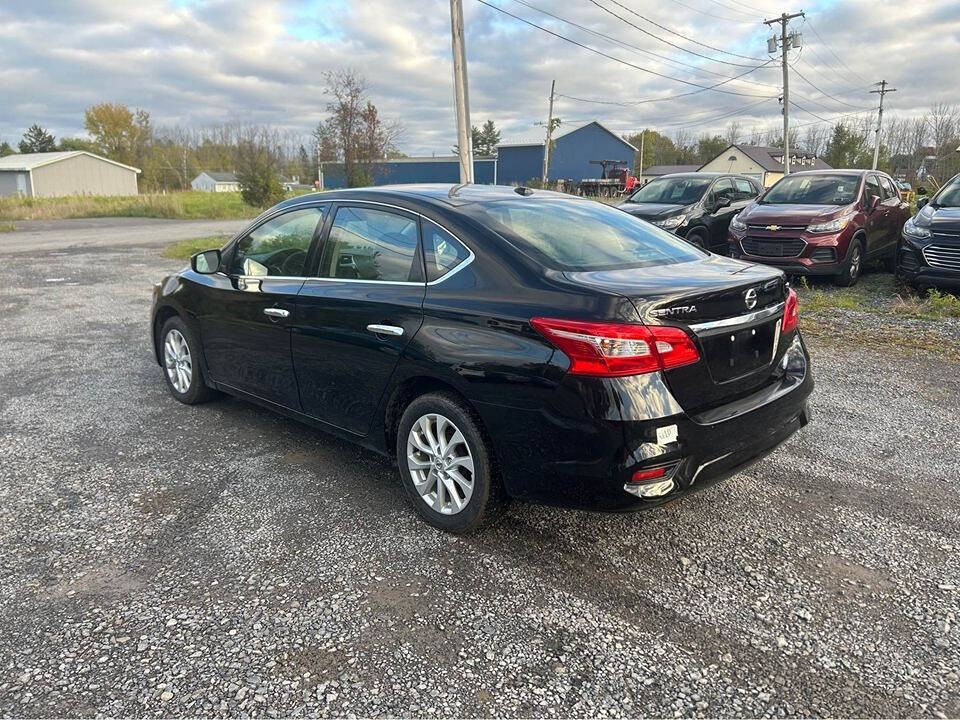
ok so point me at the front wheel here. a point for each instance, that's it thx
(180, 355)
(697, 238)
(447, 465)
(853, 267)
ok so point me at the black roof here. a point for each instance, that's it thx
(438, 192)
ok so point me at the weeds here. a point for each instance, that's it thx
(183, 205)
(6, 227)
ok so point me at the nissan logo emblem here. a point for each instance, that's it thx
(750, 298)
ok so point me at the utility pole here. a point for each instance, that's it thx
(546, 147)
(784, 46)
(881, 92)
(640, 171)
(464, 139)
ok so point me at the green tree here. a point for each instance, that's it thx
(37, 140)
(119, 133)
(658, 149)
(848, 149)
(256, 172)
(77, 144)
(5, 149)
(305, 166)
(709, 147)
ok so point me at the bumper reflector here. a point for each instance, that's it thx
(651, 474)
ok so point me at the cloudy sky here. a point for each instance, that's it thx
(201, 62)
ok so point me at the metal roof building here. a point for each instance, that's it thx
(56, 174)
(572, 158)
(434, 169)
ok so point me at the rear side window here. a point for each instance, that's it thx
(367, 244)
(442, 251)
(582, 235)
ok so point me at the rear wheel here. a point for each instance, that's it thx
(180, 355)
(853, 267)
(447, 465)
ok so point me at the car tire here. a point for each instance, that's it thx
(180, 359)
(468, 492)
(853, 267)
(697, 238)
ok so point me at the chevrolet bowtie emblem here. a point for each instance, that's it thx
(773, 228)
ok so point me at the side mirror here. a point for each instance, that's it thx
(720, 204)
(922, 203)
(206, 262)
(874, 203)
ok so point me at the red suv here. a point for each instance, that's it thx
(822, 222)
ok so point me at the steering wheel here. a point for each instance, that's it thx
(284, 262)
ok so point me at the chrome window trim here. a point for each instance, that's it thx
(718, 326)
(346, 201)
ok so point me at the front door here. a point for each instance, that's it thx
(878, 220)
(358, 314)
(245, 322)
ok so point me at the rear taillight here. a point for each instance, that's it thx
(791, 313)
(614, 349)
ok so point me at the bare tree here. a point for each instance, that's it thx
(732, 135)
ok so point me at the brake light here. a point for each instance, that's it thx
(791, 312)
(615, 349)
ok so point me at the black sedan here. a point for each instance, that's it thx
(929, 251)
(696, 206)
(499, 342)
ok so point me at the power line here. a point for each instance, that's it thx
(618, 60)
(635, 47)
(674, 32)
(733, 9)
(824, 42)
(716, 17)
(657, 37)
(823, 92)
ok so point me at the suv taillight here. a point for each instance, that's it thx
(791, 314)
(614, 349)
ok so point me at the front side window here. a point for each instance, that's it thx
(833, 189)
(368, 244)
(672, 190)
(888, 187)
(745, 189)
(582, 235)
(872, 189)
(442, 251)
(723, 190)
(279, 246)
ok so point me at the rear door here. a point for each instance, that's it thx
(245, 319)
(355, 317)
(897, 212)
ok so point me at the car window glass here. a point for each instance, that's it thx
(745, 189)
(367, 244)
(872, 188)
(888, 187)
(672, 190)
(832, 189)
(279, 246)
(724, 189)
(442, 251)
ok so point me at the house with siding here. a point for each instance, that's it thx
(215, 182)
(762, 163)
(58, 174)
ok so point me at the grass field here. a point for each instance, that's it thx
(6, 226)
(184, 249)
(183, 205)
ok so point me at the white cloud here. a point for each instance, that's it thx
(195, 63)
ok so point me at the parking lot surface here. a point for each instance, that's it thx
(158, 560)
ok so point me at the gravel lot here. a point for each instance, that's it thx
(160, 560)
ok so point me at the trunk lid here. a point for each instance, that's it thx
(698, 296)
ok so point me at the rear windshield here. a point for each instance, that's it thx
(582, 235)
(814, 190)
(676, 191)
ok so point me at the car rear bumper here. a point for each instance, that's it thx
(590, 464)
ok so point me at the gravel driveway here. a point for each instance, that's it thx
(162, 560)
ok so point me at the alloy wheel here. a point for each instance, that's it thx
(855, 263)
(177, 360)
(440, 464)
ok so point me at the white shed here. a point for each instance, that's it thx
(215, 182)
(57, 174)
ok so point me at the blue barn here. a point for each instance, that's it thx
(443, 169)
(518, 163)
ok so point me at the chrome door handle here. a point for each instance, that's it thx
(385, 330)
(276, 312)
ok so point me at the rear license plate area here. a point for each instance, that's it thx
(737, 353)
